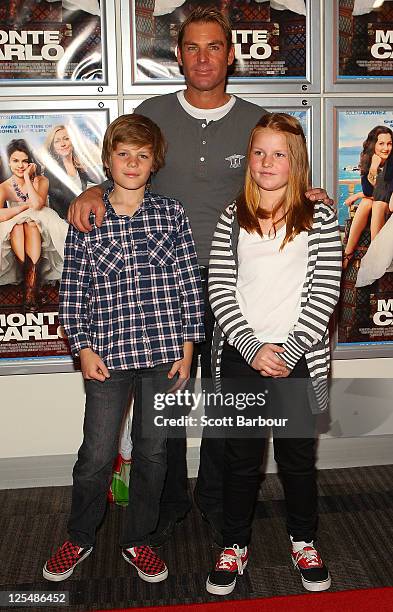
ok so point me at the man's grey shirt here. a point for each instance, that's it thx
(205, 163)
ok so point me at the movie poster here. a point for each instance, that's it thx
(51, 41)
(46, 160)
(270, 38)
(365, 39)
(365, 204)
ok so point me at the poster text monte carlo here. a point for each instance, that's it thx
(365, 38)
(41, 41)
(270, 41)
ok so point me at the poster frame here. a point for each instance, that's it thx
(47, 88)
(310, 83)
(332, 107)
(50, 364)
(333, 84)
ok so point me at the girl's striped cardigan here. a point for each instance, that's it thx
(320, 293)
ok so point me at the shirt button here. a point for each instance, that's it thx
(202, 159)
(203, 125)
(203, 141)
(138, 273)
(135, 248)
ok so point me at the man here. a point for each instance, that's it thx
(207, 132)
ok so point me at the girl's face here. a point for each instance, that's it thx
(269, 160)
(62, 143)
(383, 146)
(18, 163)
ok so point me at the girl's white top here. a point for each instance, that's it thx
(270, 282)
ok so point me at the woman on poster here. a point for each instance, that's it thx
(379, 256)
(31, 235)
(376, 168)
(66, 173)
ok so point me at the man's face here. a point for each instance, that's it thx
(204, 56)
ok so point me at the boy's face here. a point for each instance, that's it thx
(131, 165)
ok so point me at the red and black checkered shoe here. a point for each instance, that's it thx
(62, 564)
(148, 565)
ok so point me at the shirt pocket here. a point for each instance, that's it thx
(108, 258)
(161, 249)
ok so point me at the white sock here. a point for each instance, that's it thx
(296, 546)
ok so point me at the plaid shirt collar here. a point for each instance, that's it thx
(148, 200)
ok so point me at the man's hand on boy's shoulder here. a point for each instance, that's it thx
(90, 201)
(316, 194)
(92, 366)
(182, 367)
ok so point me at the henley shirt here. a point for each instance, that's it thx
(205, 162)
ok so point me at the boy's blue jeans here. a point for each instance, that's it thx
(105, 407)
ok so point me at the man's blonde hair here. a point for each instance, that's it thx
(206, 15)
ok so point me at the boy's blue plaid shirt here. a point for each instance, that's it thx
(131, 290)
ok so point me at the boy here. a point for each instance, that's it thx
(131, 304)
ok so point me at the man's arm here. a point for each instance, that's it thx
(90, 201)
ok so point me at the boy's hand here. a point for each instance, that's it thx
(182, 368)
(317, 193)
(92, 366)
(90, 201)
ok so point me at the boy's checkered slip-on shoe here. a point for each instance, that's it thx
(314, 573)
(146, 562)
(62, 564)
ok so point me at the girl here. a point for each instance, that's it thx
(274, 280)
(376, 168)
(67, 175)
(28, 229)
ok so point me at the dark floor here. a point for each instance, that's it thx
(355, 538)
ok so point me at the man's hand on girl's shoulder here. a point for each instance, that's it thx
(317, 193)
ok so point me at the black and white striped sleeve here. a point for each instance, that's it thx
(222, 290)
(323, 288)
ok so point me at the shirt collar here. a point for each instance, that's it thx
(148, 201)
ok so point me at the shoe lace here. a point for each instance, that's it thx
(310, 555)
(227, 559)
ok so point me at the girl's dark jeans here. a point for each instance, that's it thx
(295, 456)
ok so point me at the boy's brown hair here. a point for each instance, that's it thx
(134, 130)
(206, 15)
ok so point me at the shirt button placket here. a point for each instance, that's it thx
(202, 151)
